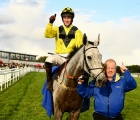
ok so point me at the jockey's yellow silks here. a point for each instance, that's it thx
(61, 48)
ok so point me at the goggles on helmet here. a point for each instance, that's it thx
(67, 12)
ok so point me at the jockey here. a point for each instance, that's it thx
(67, 37)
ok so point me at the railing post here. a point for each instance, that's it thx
(9, 76)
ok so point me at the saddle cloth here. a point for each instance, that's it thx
(47, 101)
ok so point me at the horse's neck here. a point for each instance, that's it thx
(74, 66)
(73, 69)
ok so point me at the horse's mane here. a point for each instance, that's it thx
(75, 50)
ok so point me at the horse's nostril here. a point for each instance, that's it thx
(100, 81)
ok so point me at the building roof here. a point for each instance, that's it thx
(17, 53)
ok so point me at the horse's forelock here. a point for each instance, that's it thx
(92, 43)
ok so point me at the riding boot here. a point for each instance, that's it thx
(48, 67)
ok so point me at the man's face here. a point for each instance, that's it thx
(110, 69)
(67, 20)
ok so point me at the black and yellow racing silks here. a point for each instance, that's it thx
(61, 48)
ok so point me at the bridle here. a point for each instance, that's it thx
(87, 66)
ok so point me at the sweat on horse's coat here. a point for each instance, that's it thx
(66, 99)
(47, 101)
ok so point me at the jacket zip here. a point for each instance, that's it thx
(108, 86)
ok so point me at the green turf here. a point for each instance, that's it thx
(23, 101)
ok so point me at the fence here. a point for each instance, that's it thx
(10, 76)
(135, 74)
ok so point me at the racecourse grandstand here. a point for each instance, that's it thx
(15, 57)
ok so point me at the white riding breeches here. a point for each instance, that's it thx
(55, 59)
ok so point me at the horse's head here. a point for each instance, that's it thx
(92, 61)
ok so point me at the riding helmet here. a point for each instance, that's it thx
(67, 12)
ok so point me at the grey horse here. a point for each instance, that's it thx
(65, 97)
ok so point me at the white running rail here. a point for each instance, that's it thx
(10, 76)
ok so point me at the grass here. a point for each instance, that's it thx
(23, 101)
(131, 109)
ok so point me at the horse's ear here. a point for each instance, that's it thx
(97, 41)
(85, 41)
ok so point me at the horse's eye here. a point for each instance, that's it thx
(89, 57)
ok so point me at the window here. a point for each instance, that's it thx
(3, 54)
(33, 58)
(0, 54)
(12, 56)
(22, 57)
(6, 55)
(17, 56)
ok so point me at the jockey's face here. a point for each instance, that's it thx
(67, 21)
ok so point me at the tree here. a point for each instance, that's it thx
(134, 68)
(131, 68)
(118, 70)
(41, 59)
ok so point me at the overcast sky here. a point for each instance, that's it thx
(23, 22)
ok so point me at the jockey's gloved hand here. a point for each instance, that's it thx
(52, 18)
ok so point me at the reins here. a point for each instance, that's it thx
(71, 77)
(87, 66)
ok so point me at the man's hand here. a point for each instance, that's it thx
(52, 18)
(123, 68)
(80, 81)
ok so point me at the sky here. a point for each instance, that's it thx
(23, 23)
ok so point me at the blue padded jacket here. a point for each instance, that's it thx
(109, 100)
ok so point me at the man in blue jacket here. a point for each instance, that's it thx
(109, 100)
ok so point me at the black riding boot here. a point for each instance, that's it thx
(48, 67)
